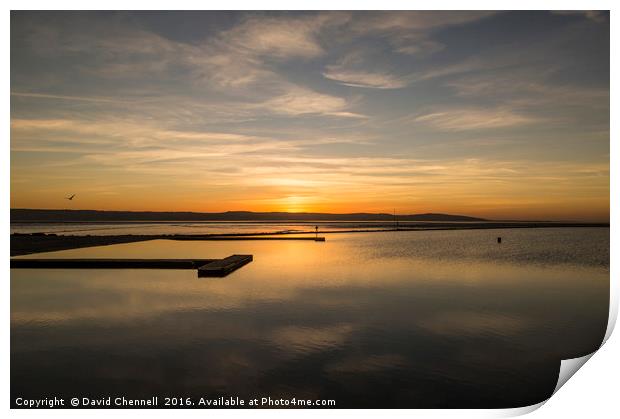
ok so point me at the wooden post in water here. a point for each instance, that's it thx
(395, 222)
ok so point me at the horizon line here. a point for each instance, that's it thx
(390, 214)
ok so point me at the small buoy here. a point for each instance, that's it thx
(499, 239)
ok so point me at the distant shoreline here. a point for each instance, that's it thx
(24, 244)
(68, 215)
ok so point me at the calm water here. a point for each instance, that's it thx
(216, 227)
(394, 319)
(204, 227)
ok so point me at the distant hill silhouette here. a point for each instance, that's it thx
(49, 215)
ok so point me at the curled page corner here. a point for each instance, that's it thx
(613, 313)
(519, 411)
(569, 367)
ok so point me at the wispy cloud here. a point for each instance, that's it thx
(594, 15)
(364, 79)
(474, 119)
(233, 61)
(282, 37)
(528, 88)
(410, 32)
(65, 97)
(353, 70)
(300, 101)
(415, 20)
(122, 133)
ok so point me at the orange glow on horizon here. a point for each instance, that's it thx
(593, 210)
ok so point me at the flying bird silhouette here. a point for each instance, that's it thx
(70, 198)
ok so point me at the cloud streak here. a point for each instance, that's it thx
(474, 119)
(364, 79)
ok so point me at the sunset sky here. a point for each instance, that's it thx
(499, 115)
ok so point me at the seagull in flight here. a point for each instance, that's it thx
(70, 198)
